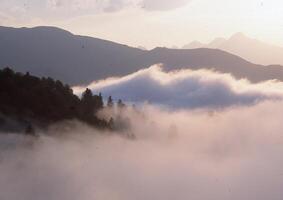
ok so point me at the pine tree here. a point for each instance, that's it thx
(87, 95)
(110, 102)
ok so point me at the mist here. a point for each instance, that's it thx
(195, 154)
(185, 89)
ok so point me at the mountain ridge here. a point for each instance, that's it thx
(248, 48)
(77, 60)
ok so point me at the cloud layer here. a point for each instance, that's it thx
(115, 5)
(163, 4)
(235, 154)
(186, 89)
(34, 12)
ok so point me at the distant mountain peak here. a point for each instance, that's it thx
(53, 52)
(50, 29)
(246, 47)
(45, 30)
(238, 35)
(194, 45)
(216, 42)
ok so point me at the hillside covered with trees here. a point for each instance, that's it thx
(30, 101)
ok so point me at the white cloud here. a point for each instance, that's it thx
(77, 4)
(186, 89)
(163, 4)
(115, 5)
(235, 154)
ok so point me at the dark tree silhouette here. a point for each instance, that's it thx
(44, 101)
(98, 102)
(87, 105)
(110, 102)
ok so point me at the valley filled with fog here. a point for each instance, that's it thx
(196, 135)
(141, 100)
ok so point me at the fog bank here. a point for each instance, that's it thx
(186, 89)
(234, 154)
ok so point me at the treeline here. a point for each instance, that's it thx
(43, 101)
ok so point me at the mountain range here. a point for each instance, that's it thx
(77, 60)
(250, 49)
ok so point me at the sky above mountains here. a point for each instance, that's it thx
(151, 23)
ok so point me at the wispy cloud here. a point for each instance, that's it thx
(57, 10)
(115, 5)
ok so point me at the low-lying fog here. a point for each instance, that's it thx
(233, 154)
(186, 89)
(197, 154)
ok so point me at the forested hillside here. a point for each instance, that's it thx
(29, 100)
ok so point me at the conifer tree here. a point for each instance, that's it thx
(110, 102)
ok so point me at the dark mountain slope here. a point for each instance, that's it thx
(218, 60)
(49, 51)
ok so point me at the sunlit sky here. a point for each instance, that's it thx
(151, 23)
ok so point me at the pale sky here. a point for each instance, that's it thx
(151, 23)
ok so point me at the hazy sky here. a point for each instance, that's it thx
(151, 23)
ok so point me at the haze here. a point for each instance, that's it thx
(141, 99)
(176, 155)
(151, 23)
